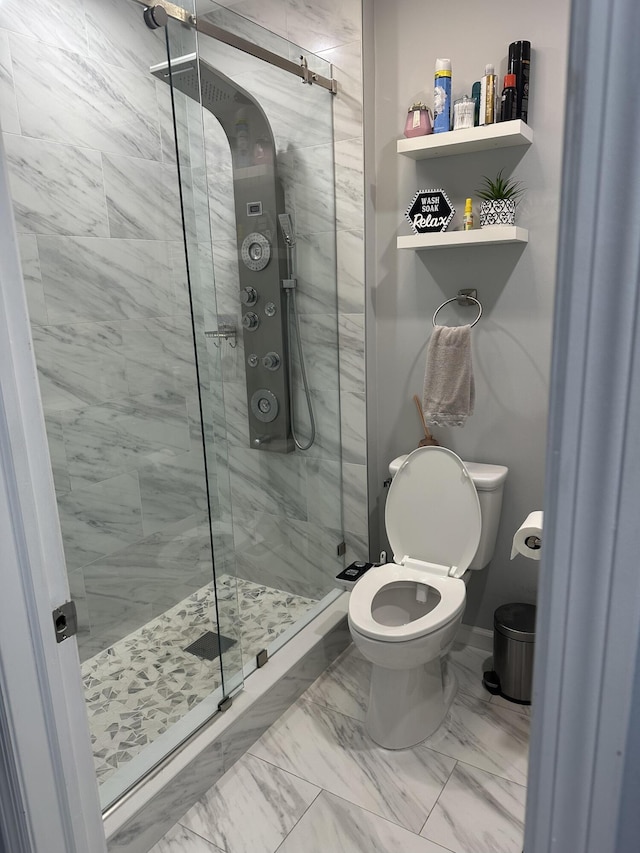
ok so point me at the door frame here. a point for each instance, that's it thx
(48, 786)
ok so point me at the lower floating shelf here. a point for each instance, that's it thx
(477, 237)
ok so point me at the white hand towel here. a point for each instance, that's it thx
(449, 388)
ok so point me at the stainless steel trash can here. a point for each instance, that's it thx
(514, 634)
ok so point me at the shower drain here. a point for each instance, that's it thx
(210, 645)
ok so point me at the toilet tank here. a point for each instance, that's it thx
(489, 482)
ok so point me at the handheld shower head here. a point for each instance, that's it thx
(286, 224)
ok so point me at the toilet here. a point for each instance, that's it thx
(442, 520)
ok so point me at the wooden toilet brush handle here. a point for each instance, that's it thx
(428, 438)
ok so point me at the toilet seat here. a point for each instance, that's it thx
(433, 524)
(452, 599)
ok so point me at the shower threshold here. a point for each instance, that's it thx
(143, 684)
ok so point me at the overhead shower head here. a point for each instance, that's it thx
(286, 224)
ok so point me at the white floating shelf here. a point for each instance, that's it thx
(477, 237)
(502, 135)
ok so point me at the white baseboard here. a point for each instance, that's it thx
(479, 638)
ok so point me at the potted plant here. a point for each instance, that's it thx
(499, 198)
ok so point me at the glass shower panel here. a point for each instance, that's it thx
(268, 146)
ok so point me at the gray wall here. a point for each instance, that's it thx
(511, 344)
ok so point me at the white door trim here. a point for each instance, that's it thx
(588, 632)
(43, 724)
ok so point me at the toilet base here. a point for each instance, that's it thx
(408, 705)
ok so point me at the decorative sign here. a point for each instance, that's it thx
(430, 211)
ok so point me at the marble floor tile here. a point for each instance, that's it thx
(485, 736)
(181, 840)
(333, 751)
(478, 813)
(344, 686)
(252, 808)
(333, 824)
(468, 664)
(501, 702)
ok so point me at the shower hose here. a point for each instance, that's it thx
(292, 313)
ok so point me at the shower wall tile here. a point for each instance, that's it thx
(349, 171)
(324, 24)
(354, 426)
(32, 278)
(354, 489)
(112, 619)
(83, 102)
(350, 251)
(227, 276)
(78, 595)
(8, 105)
(326, 409)
(352, 367)
(323, 492)
(56, 189)
(96, 279)
(268, 482)
(314, 189)
(143, 199)
(316, 273)
(185, 543)
(117, 35)
(172, 488)
(63, 25)
(113, 438)
(318, 331)
(79, 365)
(347, 105)
(57, 453)
(159, 354)
(100, 519)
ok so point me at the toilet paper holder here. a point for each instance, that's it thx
(533, 542)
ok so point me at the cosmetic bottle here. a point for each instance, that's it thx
(475, 97)
(418, 121)
(463, 111)
(520, 65)
(468, 215)
(509, 100)
(488, 96)
(442, 96)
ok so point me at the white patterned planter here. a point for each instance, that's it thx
(500, 211)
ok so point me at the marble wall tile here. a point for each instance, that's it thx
(56, 189)
(352, 343)
(8, 105)
(57, 453)
(477, 811)
(32, 278)
(316, 273)
(349, 185)
(357, 547)
(268, 482)
(172, 488)
(96, 279)
(185, 543)
(112, 438)
(82, 102)
(324, 506)
(354, 490)
(78, 595)
(159, 355)
(112, 619)
(333, 751)
(347, 104)
(100, 519)
(227, 276)
(143, 199)
(350, 248)
(117, 35)
(63, 25)
(354, 427)
(326, 412)
(319, 335)
(325, 24)
(79, 365)
(252, 808)
(315, 205)
(335, 824)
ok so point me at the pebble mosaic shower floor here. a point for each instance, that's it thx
(136, 689)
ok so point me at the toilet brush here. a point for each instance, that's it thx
(428, 439)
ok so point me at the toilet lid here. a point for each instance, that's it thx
(433, 511)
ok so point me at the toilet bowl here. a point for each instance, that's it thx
(404, 615)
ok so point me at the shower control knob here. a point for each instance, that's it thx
(271, 361)
(248, 296)
(253, 360)
(250, 321)
(270, 309)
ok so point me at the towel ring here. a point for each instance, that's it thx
(455, 299)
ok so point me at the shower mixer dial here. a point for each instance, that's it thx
(255, 251)
(250, 321)
(271, 361)
(248, 296)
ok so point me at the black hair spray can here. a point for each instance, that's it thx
(520, 65)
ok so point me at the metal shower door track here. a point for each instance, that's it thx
(300, 69)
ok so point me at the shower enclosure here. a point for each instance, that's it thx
(174, 200)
